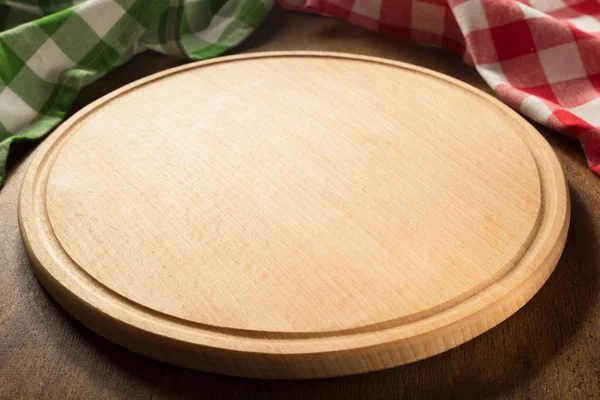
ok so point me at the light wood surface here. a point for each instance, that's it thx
(549, 349)
(294, 215)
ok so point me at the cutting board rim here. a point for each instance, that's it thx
(290, 353)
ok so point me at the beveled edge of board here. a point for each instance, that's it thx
(288, 356)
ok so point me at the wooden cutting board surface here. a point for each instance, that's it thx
(294, 215)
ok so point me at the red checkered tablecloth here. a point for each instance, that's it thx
(541, 57)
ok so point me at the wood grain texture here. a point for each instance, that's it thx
(549, 349)
(294, 215)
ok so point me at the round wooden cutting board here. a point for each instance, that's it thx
(294, 215)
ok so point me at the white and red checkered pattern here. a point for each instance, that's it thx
(541, 57)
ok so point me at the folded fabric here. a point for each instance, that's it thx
(541, 57)
(49, 50)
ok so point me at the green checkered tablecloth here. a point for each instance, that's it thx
(50, 49)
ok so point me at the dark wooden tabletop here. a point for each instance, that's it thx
(549, 349)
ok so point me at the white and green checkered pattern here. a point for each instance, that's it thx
(50, 49)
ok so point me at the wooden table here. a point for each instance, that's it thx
(549, 349)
